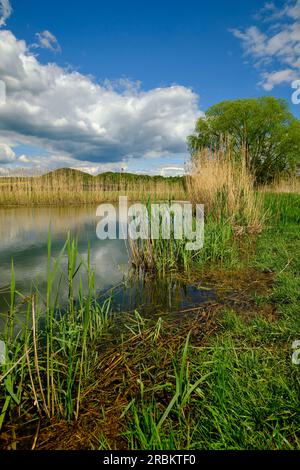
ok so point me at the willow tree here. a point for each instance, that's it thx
(261, 130)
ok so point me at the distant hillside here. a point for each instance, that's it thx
(72, 174)
(68, 186)
(67, 174)
(108, 177)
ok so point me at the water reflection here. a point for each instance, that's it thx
(159, 296)
(24, 233)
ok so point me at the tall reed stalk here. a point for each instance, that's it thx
(233, 207)
(226, 188)
(50, 355)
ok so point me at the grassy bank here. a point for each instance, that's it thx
(225, 378)
(66, 186)
(245, 389)
(238, 388)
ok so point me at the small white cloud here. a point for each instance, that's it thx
(7, 155)
(172, 171)
(5, 11)
(47, 40)
(24, 159)
(278, 46)
(272, 79)
(293, 10)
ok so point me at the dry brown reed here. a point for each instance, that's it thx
(286, 185)
(226, 188)
(65, 187)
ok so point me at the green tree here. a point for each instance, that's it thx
(262, 131)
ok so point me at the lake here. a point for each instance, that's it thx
(24, 234)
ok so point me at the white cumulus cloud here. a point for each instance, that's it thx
(71, 115)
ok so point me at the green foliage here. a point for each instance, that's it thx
(248, 398)
(238, 389)
(51, 353)
(262, 130)
(110, 181)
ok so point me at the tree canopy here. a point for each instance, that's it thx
(262, 130)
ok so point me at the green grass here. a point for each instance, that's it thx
(221, 248)
(51, 354)
(248, 397)
(180, 387)
(239, 392)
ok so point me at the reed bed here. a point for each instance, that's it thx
(159, 256)
(51, 348)
(162, 256)
(283, 186)
(233, 209)
(226, 188)
(66, 186)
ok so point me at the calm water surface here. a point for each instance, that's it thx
(23, 239)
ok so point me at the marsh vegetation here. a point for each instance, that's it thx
(215, 373)
(76, 376)
(66, 186)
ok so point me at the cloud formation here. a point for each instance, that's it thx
(5, 11)
(7, 155)
(277, 51)
(70, 115)
(47, 40)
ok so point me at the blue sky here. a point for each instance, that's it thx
(169, 60)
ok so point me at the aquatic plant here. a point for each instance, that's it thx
(49, 349)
